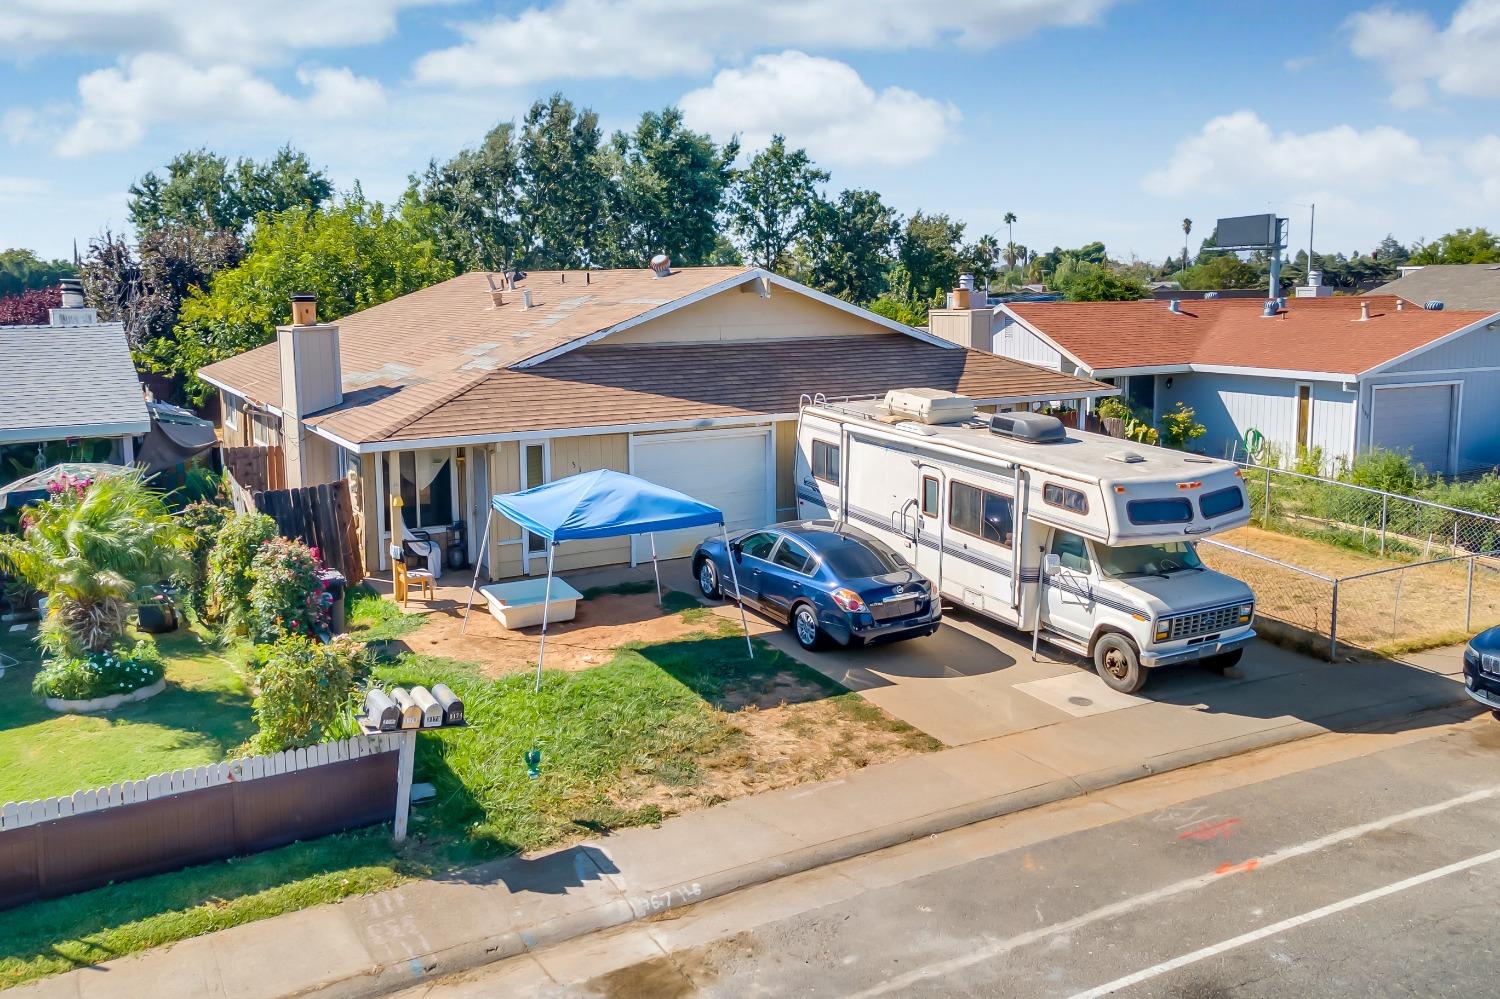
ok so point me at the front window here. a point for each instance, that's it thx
(758, 545)
(1071, 550)
(1131, 561)
(426, 488)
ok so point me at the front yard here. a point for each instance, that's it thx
(649, 727)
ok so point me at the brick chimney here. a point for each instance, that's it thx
(311, 381)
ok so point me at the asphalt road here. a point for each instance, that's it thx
(1372, 876)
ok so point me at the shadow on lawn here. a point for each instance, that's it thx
(717, 670)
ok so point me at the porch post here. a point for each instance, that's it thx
(654, 568)
(546, 606)
(734, 575)
(484, 544)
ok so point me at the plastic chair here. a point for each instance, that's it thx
(405, 577)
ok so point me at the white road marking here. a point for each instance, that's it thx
(1333, 908)
(1128, 905)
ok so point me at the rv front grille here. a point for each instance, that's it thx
(1203, 623)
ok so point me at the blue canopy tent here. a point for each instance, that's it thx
(601, 504)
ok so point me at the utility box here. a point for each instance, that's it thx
(381, 711)
(432, 711)
(453, 708)
(411, 711)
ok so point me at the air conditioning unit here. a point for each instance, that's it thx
(1033, 428)
(925, 405)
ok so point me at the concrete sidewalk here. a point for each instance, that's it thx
(383, 942)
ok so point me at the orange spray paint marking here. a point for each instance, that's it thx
(1211, 830)
(1240, 868)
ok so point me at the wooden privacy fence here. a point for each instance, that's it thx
(321, 517)
(58, 846)
(256, 468)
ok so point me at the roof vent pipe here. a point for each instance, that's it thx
(1174, 306)
(966, 282)
(72, 293)
(525, 298)
(1400, 305)
(1364, 312)
(661, 264)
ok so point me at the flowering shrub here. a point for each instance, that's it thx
(287, 597)
(304, 690)
(113, 671)
(229, 578)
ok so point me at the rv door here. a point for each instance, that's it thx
(927, 520)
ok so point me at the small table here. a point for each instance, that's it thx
(519, 604)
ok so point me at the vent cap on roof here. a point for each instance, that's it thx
(1126, 457)
(1034, 428)
(661, 264)
(1433, 306)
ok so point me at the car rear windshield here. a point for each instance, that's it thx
(858, 559)
(1159, 511)
(1222, 501)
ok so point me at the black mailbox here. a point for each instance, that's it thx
(382, 711)
(453, 708)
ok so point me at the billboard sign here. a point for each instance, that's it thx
(1248, 232)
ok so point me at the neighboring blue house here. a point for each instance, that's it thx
(1342, 374)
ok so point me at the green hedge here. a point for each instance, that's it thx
(100, 674)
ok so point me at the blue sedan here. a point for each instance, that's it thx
(828, 583)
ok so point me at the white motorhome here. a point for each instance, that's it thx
(1083, 540)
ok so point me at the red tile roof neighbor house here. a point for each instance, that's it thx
(1341, 336)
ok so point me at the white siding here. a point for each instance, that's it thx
(1014, 340)
(1229, 405)
(1474, 360)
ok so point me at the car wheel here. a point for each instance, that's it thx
(708, 579)
(1118, 664)
(805, 627)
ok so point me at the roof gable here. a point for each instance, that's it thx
(69, 381)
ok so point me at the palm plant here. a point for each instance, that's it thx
(89, 548)
(1187, 228)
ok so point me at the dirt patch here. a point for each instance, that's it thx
(602, 624)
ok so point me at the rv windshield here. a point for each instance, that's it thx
(1126, 561)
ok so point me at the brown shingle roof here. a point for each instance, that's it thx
(1310, 334)
(617, 384)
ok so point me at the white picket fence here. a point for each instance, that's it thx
(17, 814)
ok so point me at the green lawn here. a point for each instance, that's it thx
(647, 717)
(203, 713)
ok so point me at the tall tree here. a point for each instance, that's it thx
(1461, 246)
(773, 200)
(475, 203)
(1391, 251)
(668, 186)
(849, 245)
(1187, 229)
(1010, 238)
(982, 258)
(928, 252)
(1090, 281)
(563, 186)
(204, 190)
(23, 270)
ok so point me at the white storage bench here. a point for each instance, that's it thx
(518, 604)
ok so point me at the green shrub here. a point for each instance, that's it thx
(229, 578)
(1180, 426)
(305, 689)
(287, 597)
(1388, 471)
(203, 520)
(100, 674)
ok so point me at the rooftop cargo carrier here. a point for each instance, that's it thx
(929, 406)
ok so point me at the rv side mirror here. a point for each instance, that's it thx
(1051, 565)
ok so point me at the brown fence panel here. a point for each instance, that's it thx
(256, 468)
(77, 852)
(321, 517)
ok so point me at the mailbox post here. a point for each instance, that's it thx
(405, 713)
(405, 757)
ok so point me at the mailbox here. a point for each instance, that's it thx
(453, 708)
(382, 711)
(411, 711)
(432, 711)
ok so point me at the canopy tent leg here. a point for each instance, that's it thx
(484, 543)
(546, 606)
(734, 575)
(654, 568)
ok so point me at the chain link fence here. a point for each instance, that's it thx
(1375, 570)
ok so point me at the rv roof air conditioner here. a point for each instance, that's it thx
(925, 405)
(1034, 428)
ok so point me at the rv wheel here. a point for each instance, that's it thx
(1118, 664)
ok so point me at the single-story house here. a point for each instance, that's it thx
(690, 377)
(69, 391)
(1457, 286)
(1341, 374)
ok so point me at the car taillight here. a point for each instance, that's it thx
(847, 600)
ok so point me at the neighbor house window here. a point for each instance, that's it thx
(981, 513)
(825, 462)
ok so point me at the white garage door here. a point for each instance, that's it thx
(1415, 420)
(730, 469)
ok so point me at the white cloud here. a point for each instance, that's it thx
(1238, 152)
(239, 32)
(1413, 53)
(22, 188)
(1483, 158)
(642, 39)
(119, 103)
(821, 104)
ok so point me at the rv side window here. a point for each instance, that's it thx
(1222, 501)
(1159, 511)
(980, 512)
(825, 462)
(1072, 500)
(929, 496)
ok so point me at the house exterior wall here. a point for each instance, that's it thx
(571, 455)
(740, 315)
(1011, 339)
(786, 461)
(1229, 405)
(505, 537)
(1474, 361)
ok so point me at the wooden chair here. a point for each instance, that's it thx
(404, 578)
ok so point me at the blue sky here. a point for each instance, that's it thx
(1090, 119)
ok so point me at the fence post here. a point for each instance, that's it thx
(1385, 505)
(1333, 626)
(1469, 597)
(1265, 520)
